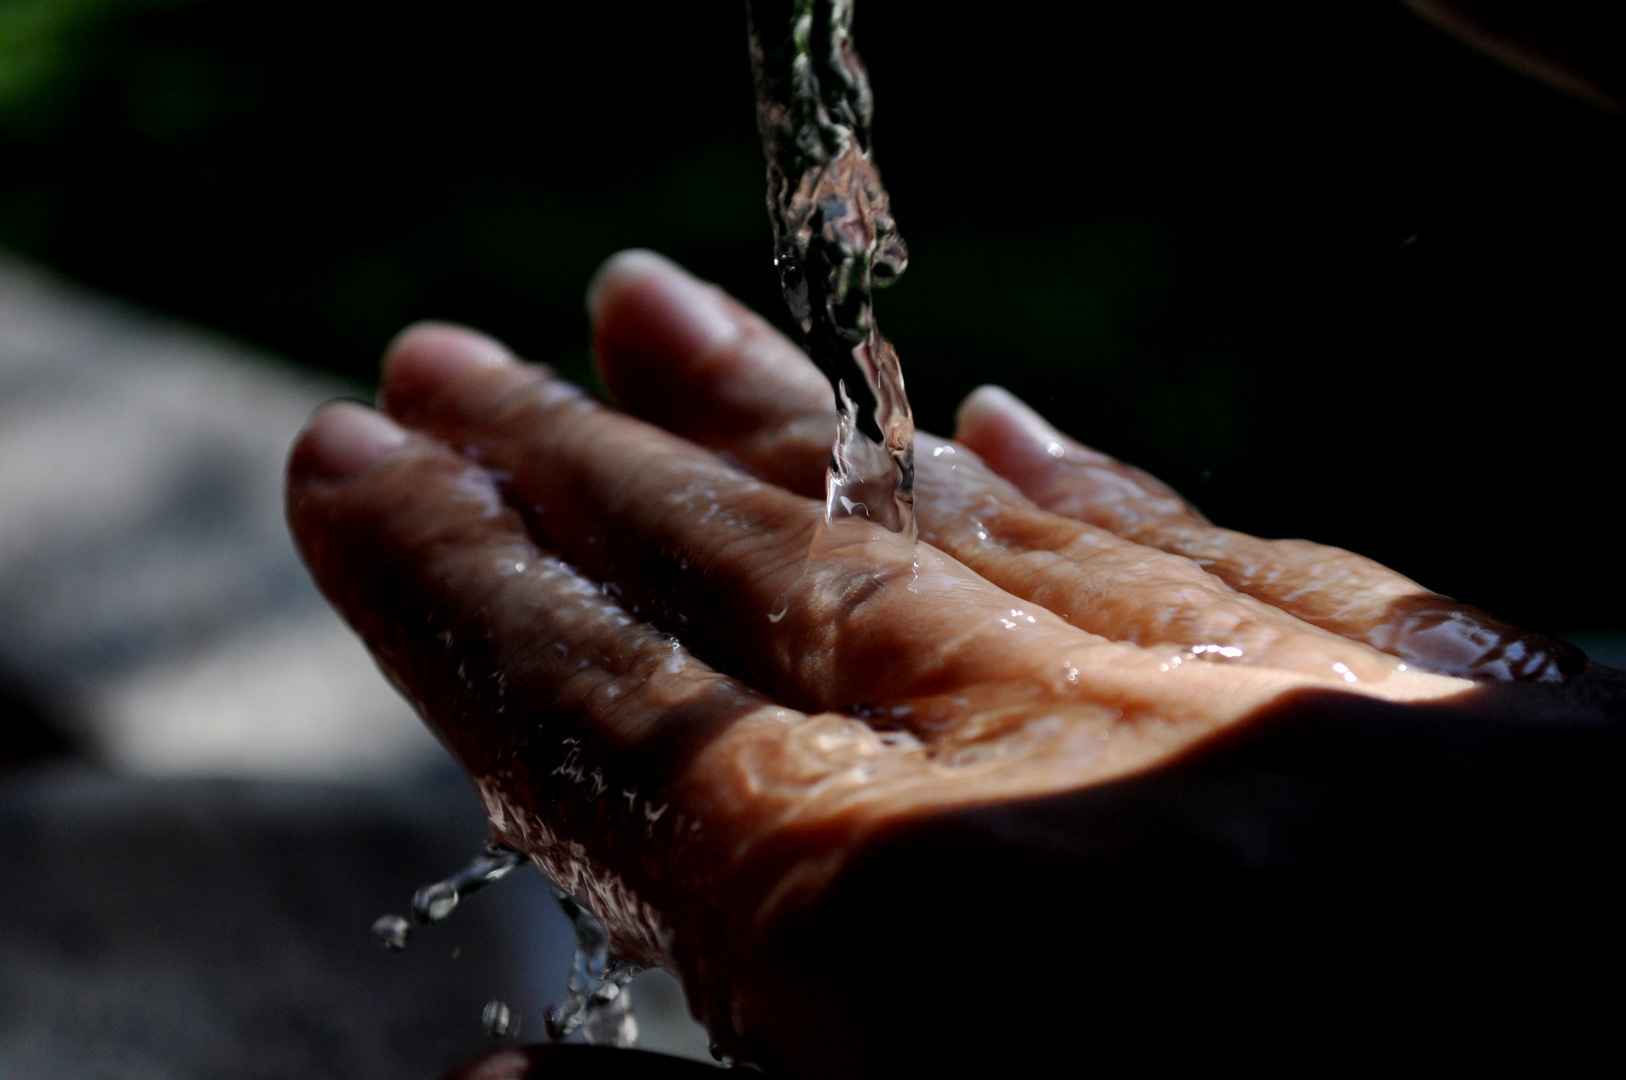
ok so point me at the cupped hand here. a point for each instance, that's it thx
(723, 744)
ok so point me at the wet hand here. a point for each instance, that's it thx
(612, 619)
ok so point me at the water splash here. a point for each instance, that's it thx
(392, 932)
(598, 1001)
(432, 903)
(499, 1020)
(835, 242)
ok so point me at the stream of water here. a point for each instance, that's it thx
(835, 243)
(598, 1002)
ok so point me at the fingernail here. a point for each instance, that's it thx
(426, 355)
(461, 342)
(443, 349)
(343, 438)
(994, 403)
(692, 315)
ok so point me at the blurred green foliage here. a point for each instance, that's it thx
(37, 52)
(270, 169)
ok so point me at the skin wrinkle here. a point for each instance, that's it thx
(950, 494)
(1089, 565)
(514, 407)
(1154, 571)
(764, 810)
(851, 790)
(1002, 697)
(625, 496)
(1333, 589)
(1359, 601)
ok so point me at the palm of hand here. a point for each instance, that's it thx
(618, 630)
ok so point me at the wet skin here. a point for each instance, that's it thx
(767, 771)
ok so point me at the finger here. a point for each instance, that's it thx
(414, 545)
(427, 355)
(687, 357)
(343, 439)
(681, 806)
(684, 537)
(1063, 475)
(674, 800)
(697, 363)
(721, 559)
(1110, 586)
(588, 733)
(593, 739)
(1328, 587)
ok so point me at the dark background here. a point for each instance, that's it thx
(1322, 267)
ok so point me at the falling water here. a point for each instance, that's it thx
(392, 932)
(499, 1020)
(432, 903)
(834, 243)
(598, 1001)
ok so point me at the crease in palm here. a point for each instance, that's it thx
(611, 616)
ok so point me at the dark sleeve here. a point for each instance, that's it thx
(1336, 879)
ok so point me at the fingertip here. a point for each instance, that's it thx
(621, 270)
(344, 438)
(684, 355)
(427, 355)
(980, 406)
(992, 416)
(649, 313)
(1017, 443)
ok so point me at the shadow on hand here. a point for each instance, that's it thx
(1336, 879)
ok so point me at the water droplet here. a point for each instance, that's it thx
(598, 1002)
(392, 932)
(499, 1020)
(434, 902)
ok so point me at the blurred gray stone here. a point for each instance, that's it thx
(147, 583)
(202, 907)
(220, 928)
